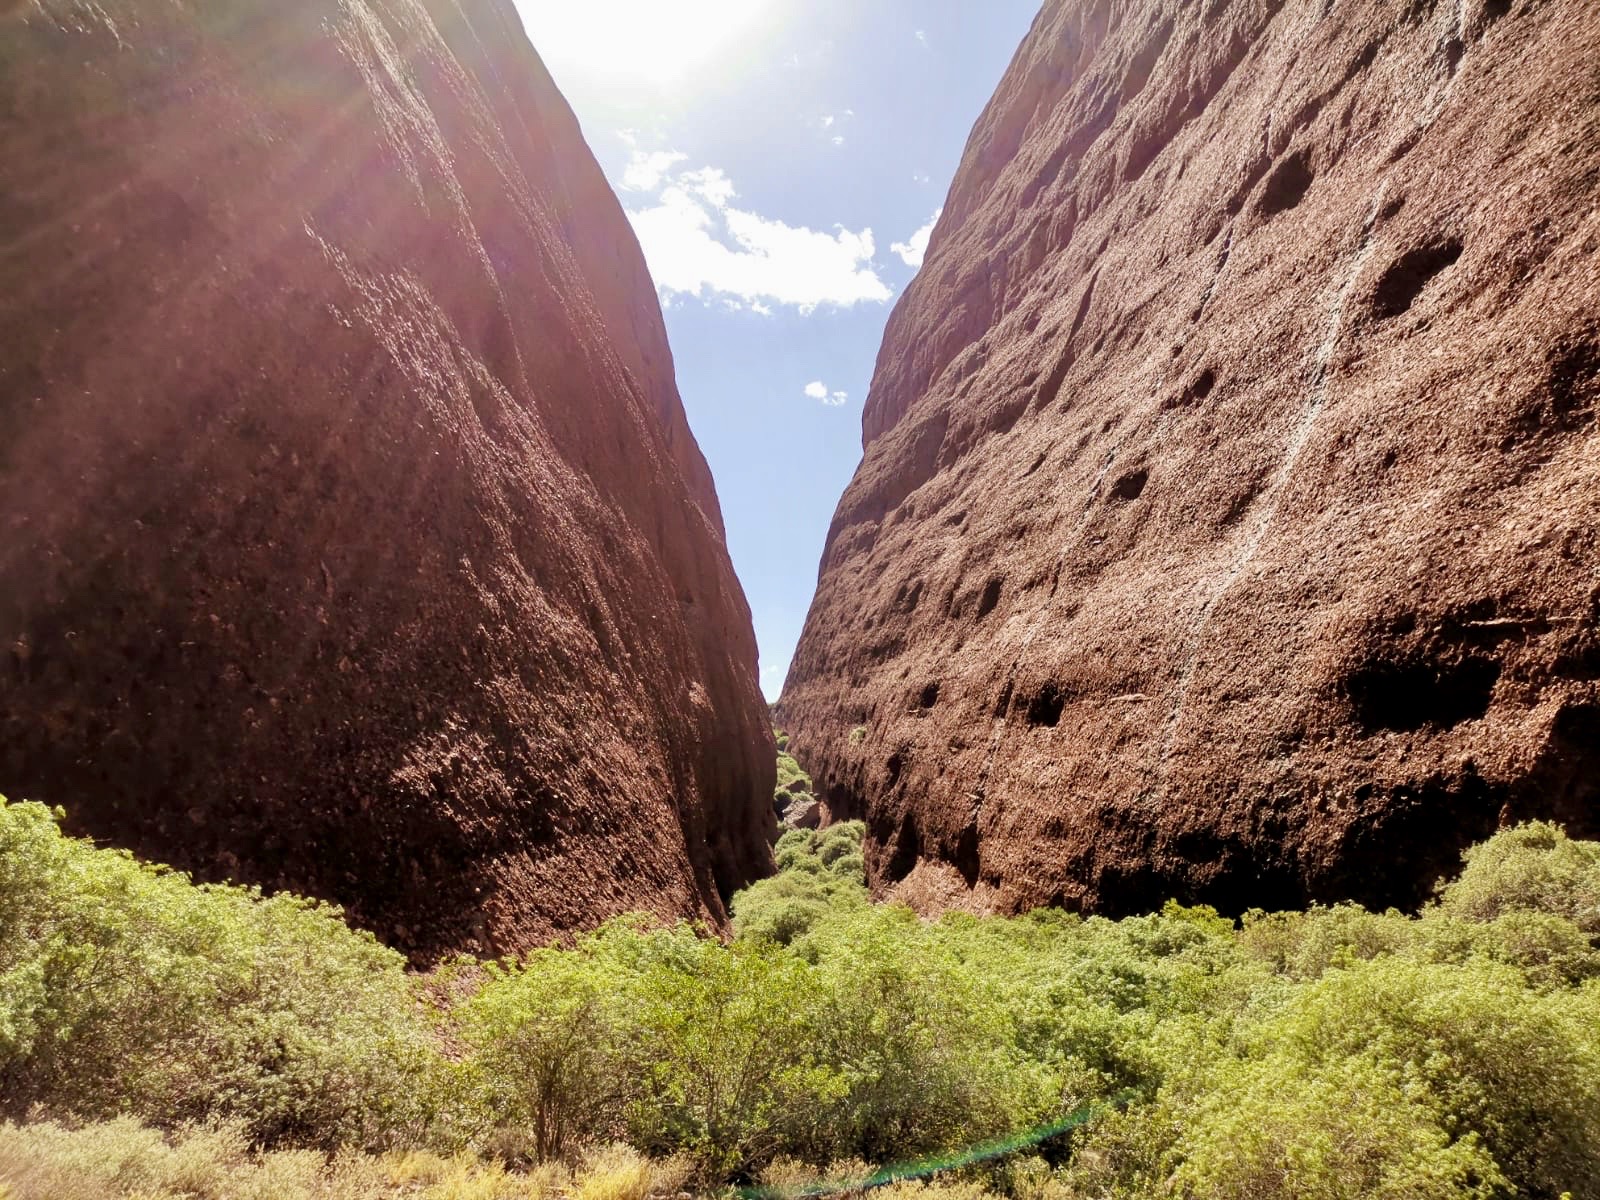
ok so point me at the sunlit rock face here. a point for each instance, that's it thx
(1229, 524)
(354, 540)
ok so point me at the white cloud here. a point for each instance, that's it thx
(838, 139)
(698, 243)
(915, 248)
(709, 184)
(922, 37)
(920, 177)
(772, 679)
(817, 390)
(647, 168)
(827, 122)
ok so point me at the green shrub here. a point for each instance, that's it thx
(728, 1053)
(923, 1046)
(1533, 867)
(1329, 1054)
(792, 780)
(125, 988)
(1516, 1069)
(550, 1038)
(819, 872)
(1350, 1129)
(1304, 945)
(675, 1041)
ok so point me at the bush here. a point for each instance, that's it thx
(1533, 867)
(1516, 1070)
(728, 1053)
(672, 1040)
(792, 781)
(1349, 1130)
(1334, 1053)
(127, 988)
(549, 1040)
(923, 1047)
(819, 872)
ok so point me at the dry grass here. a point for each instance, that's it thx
(917, 1189)
(614, 1173)
(124, 1160)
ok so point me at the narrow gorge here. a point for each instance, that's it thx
(1187, 782)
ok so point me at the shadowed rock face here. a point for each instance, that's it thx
(1229, 524)
(354, 540)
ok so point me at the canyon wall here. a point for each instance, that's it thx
(1229, 521)
(354, 539)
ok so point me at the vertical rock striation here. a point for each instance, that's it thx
(352, 537)
(1229, 523)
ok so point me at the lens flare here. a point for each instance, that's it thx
(630, 42)
(927, 1167)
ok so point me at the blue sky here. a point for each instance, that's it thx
(781, 161)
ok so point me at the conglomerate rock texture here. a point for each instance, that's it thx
(1229, 524)
(352, 536)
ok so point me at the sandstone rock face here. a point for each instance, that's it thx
(1229, 524)
(354, 539)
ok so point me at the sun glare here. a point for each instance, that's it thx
(664, 43)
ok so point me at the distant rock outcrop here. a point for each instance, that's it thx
(352, 537)
(1229, 525)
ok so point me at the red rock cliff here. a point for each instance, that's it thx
(1229, 525)
(354, 539)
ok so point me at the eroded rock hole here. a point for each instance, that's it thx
(965, 856)
(1417, 693)
(990, 597)
(1051, 387)
(1567, 778)
(1131, 485)
(894, 766)
(904, 847)
(929, 696)
(1002, 703)
(1408, 275)
(1574, 378)
(1571, 392)
(1046, 706)
(907, 596)
(1287, 185)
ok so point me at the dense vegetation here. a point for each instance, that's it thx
(792, 796)
(1333, 1054)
